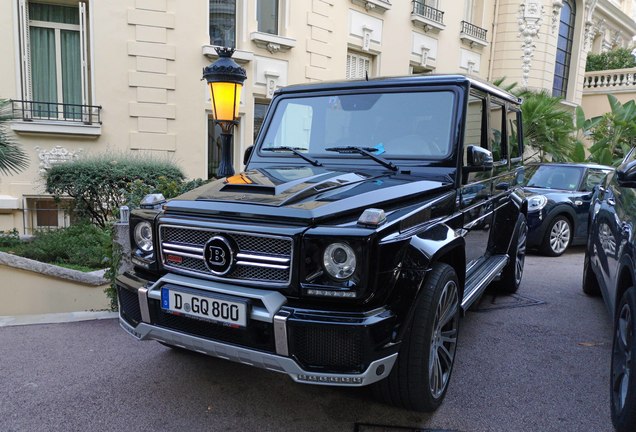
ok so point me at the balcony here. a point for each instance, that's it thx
(56, 118)
(614, 81)
(473, 35)
(379, 6)
(426, 16)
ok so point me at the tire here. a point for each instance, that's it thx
(623, 371)
(558, 237)
(419, 379)
(510, 278)
(590, 283)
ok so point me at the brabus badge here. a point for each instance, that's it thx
(219, 255)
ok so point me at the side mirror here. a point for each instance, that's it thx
(626, 174)
(247, 154)
(479, 159)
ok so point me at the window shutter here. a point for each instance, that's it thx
(25, 56)
(86, 115)
(357, 66)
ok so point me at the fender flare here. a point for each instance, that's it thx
(424, 249)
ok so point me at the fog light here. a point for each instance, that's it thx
(331, 293)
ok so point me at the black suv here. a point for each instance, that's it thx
(369, 216)
(609, 269)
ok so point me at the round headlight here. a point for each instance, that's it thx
(143, 236)
(536, 203)
(339, 261)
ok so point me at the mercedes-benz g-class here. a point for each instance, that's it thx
(369, 216)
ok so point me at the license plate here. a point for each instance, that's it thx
(210, 308)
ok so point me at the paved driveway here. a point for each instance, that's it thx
(538, 362)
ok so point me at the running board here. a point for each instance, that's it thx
(480, 279)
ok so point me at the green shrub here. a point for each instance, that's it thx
(618, 58)
(101, 184)
(169, 188)
(83, 245)
(9, 238)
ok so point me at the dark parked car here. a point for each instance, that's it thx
(370, 215)
(559, 196)
(609, 270)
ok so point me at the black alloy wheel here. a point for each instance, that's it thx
(623, 375)
(420, 377)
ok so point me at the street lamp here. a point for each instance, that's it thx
(225, 79)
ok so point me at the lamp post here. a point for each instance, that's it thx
(225, 79)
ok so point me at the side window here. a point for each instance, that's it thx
(473, 133)
(495, 134)
(592, 178)
(512, 121)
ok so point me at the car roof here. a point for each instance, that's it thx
(397, 81)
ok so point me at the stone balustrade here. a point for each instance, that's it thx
(610, 81)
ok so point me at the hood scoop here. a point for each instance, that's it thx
(249, 188)
(257, 184)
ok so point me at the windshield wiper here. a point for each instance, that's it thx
(294, 150)
(366, 151)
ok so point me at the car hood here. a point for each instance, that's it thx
(307, 193)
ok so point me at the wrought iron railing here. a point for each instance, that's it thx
(428, 12)
(37, 110)
(474, 31)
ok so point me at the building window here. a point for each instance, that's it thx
(260, 109)
(358, 66)
(42, 213)
(54, 61)
(267, 16)
(564, 49)
(474, 11)
(46, 213)
(223, 23)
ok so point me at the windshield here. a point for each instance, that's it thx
(554, 177)
(402, 125)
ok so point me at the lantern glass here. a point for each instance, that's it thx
(225, 98)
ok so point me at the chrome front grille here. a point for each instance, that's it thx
(261, 259)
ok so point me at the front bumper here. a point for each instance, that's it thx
(316, 347)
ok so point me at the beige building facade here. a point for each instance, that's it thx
(90, 76)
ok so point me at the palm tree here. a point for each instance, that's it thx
(12, 158)
(547, 127)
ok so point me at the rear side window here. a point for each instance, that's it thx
(474, 124)
(512, 126)
(495, 134)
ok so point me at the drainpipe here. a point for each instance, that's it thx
(493, 41)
